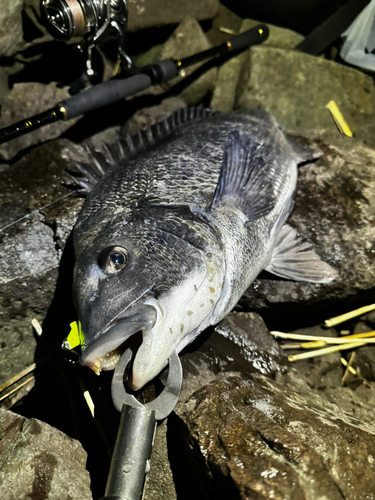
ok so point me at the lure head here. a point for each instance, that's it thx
(75, 337)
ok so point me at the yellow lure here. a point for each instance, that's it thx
(339, 119)
(75, 337)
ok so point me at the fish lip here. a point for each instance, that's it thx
(118, 331)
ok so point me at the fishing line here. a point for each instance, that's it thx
(37, 210)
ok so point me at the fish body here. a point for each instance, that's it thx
(168, 240)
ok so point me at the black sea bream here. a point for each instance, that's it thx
(177, 223)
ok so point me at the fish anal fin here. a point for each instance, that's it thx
(302, 150)
(243, 180)
(294, 259)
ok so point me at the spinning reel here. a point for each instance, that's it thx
(88, 22)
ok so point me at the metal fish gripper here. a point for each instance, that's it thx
(132, 451)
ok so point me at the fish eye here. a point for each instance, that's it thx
(113, 259)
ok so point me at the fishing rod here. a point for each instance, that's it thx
(117, 88)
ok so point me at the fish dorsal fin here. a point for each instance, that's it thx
(303, 152)
(128, 147)
(294, 259)
(243, 180)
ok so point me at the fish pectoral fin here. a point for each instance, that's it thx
(294, 259)
(244, 178)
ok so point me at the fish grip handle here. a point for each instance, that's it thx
(131, 455)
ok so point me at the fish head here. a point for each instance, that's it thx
(140, 278)
(109, 293)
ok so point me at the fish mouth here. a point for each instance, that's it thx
(105, 351)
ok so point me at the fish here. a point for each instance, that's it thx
(179, 220)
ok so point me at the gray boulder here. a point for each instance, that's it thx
(25, 100)
(32, 247)
(295, 88)
(151, 13)
(187, 39)
(224, 96)
(11, 38)
(38, 461)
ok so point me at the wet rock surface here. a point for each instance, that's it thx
(38, 461)
(160, 479)
(292, 432)
(276, 439)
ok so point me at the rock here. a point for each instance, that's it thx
(358, 401)
(369, 319)
(33, 182)
(188, 39)
(146, 117)
(10, 27)
(150, 56)
(224, 26)
(364, 357)
(334, 210)
(38, 461)
(320, 372)
(295, 88)
(151, 13)
(5, 73)
(22, 300)
(224, 96)
(241, 342)
(259, 438)
(25, 100)
(258, 348)
(364, 128)
(35, 239)
(31, 9)
(362, 327)
(32, 247)
(249, 433)
(159, 482)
